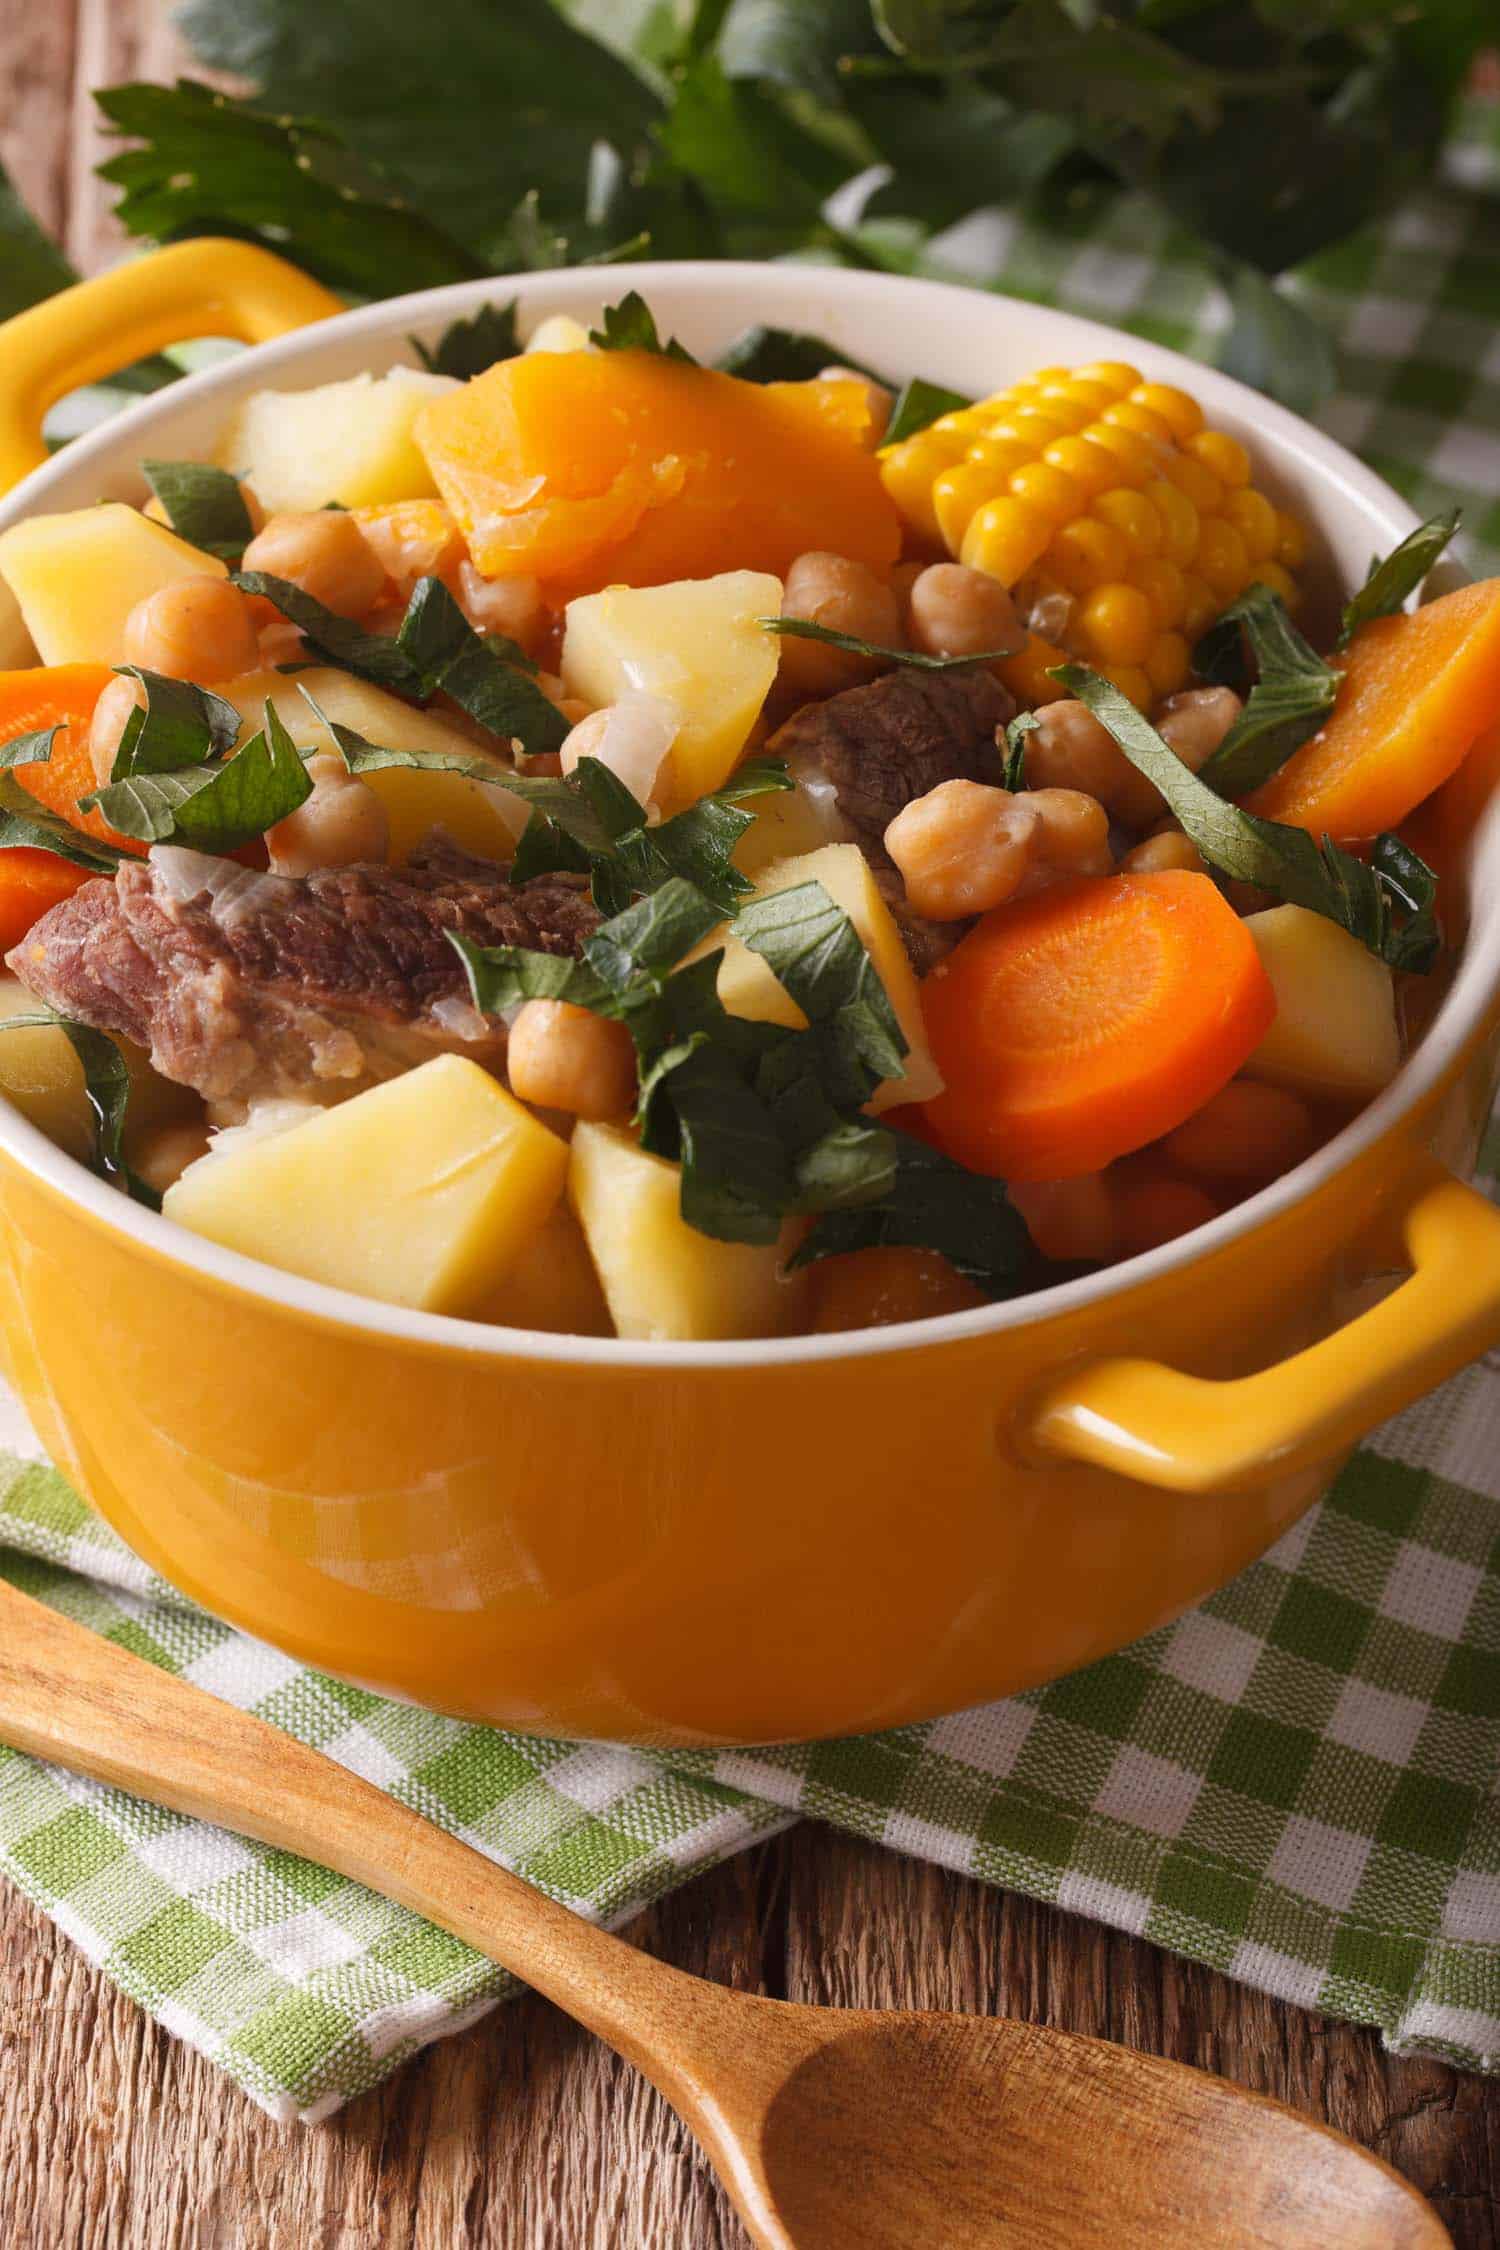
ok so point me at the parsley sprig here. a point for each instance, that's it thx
(1386, 901)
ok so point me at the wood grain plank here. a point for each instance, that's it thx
(523, 2132)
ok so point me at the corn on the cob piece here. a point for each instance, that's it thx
(1106, 490)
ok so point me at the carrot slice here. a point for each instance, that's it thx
(59, 695)
(1081, 1023)
(30, 882)
(1418, 692)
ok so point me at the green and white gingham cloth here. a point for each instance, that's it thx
(1295, 1783)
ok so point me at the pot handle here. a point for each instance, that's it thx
(204, 288)
(1187, 1434)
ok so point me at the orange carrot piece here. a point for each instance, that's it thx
(59, 695)
(1085, 1021)
(30, 882)
(1418, 691)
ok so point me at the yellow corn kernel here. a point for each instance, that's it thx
(1091, 467)
(1221, 556)
(1052, 493)
(1036, 428)
(1254, 519)
(1140, 459)
(1195, 481)
(956, 493)
(1117, 623)
(1087, 553)
(1126, 416)
(1182, 414)
(908, 471)
(1291, 541)
(1165, 589)
(1223, 454)
(1000, 454)
(1168, 663)
(1026, 675)
(1114, 374)
(1004, 539)
(1133, 514)
(1086, 400)
(958, 429)
(1059, 402)
(1179, 520)
(1280, 582)
(1201, 605)
(1044, 378)
(1133, 681)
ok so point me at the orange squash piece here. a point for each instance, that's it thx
(1419, 690)
(585, 469)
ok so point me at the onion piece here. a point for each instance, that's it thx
(632, 737)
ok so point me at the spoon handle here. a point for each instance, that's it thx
(69, 1695)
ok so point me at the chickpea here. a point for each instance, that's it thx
(162, 1153)
(341, 824)
(281, 643)
(963, 848)
(831, 590)
(1069, 749)
(1196, 722)
(325, 553)
(116, 702)
(199, 629)
(877, 397)
(1249, 1132)
(1157, 1210)
(876, 1288)
(1073, 838)
(1169, 851)
(1071, 1221)
(956, 611)
(562, 1057)
(512, 606)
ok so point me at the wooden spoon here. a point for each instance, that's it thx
(832, 2130)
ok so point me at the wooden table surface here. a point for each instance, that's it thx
(521, 2133)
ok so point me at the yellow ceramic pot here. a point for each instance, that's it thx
(730, 1543)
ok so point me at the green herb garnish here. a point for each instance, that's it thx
(919, 404)
(204, 505)
(1386, 902)
(211, 808)
(1013, 762)
(804, 629)
(785, 355)
(1293, 693)
(467, 347)
(178, 725)
(630, 326)
(27, 826)
(106, 1085)
(1399, 575)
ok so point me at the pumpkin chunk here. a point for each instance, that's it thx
(584, 469)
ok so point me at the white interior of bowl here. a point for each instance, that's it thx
(968, 339)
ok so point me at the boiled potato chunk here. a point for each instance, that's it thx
(415, 800)
(665, 1282)
(40, 1073)
(559, 332)
(420, 1192)
(747, 987)
(77, 577)
(697, 644)
(1335, 1029)
(350, 442)
(551, 1284)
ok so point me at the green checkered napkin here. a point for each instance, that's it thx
(1295, 1783)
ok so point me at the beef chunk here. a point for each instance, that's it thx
(248, 986)
(882, 745)
(878, 747)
